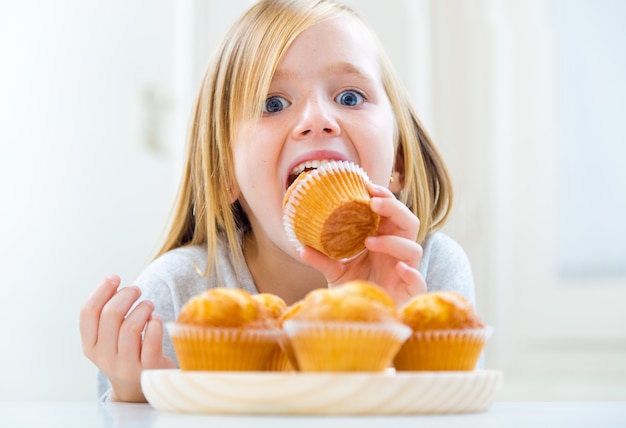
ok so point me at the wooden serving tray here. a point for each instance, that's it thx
(389, 393)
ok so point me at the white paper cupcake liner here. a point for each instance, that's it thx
(344, 346)
(207, 348)
(471, 334)
(307, 196)
(442, 350)
(398, 330)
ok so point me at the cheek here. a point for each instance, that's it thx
(239, 162)
(255, 167)
(381, 150)
(259, 143)
(247, 155)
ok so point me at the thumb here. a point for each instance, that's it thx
(152, 346)
(333, 270)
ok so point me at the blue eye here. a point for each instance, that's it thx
(349, 98)
(275, 104)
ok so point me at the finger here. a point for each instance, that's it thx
(401, 220)
(380, 191)
(91, 309)
(405, 250)
(152, 346)
(129, 339)
(112, 316)
(331, 269)
(412, 278)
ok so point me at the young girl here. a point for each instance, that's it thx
(295, 83)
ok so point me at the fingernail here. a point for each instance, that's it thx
(113, 279)
(375, 186)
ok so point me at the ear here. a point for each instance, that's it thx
(234, 196)
(233, 192)
(396, 183)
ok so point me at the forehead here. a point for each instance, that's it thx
(340, 45)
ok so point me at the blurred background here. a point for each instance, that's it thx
(526, 99)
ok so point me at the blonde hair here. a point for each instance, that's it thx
(234, 89)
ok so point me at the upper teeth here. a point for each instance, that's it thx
(310, 164)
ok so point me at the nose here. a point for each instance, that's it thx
(315, 118)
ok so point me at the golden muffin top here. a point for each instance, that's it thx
(273, 305)
(440, 310)
(291, 311)
(356, 301)
(226, 307)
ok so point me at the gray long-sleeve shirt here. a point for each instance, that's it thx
(175, 277)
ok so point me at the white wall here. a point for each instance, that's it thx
(84, 192)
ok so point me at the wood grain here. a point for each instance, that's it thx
(399, 393)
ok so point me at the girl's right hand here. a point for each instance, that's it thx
(393, 255)
(112, 337)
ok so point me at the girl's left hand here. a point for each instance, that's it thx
(392, 257)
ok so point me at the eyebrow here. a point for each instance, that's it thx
(348, 68)
(338, 67)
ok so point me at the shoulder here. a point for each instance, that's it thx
(172, 278)
(176, 266)
(438, 245)
(181, 260)
(445, 265)
(178, 275)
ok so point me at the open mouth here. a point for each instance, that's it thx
(294, 177)
(305, 167)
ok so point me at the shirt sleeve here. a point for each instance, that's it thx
(445, 266)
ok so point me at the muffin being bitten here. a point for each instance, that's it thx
(328, 209)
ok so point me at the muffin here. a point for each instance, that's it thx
(351, 327)
(447, 333)
(224, 329)
(328, 209)
(285, 343)
(275, 307)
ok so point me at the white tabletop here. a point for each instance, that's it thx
(120, 415)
